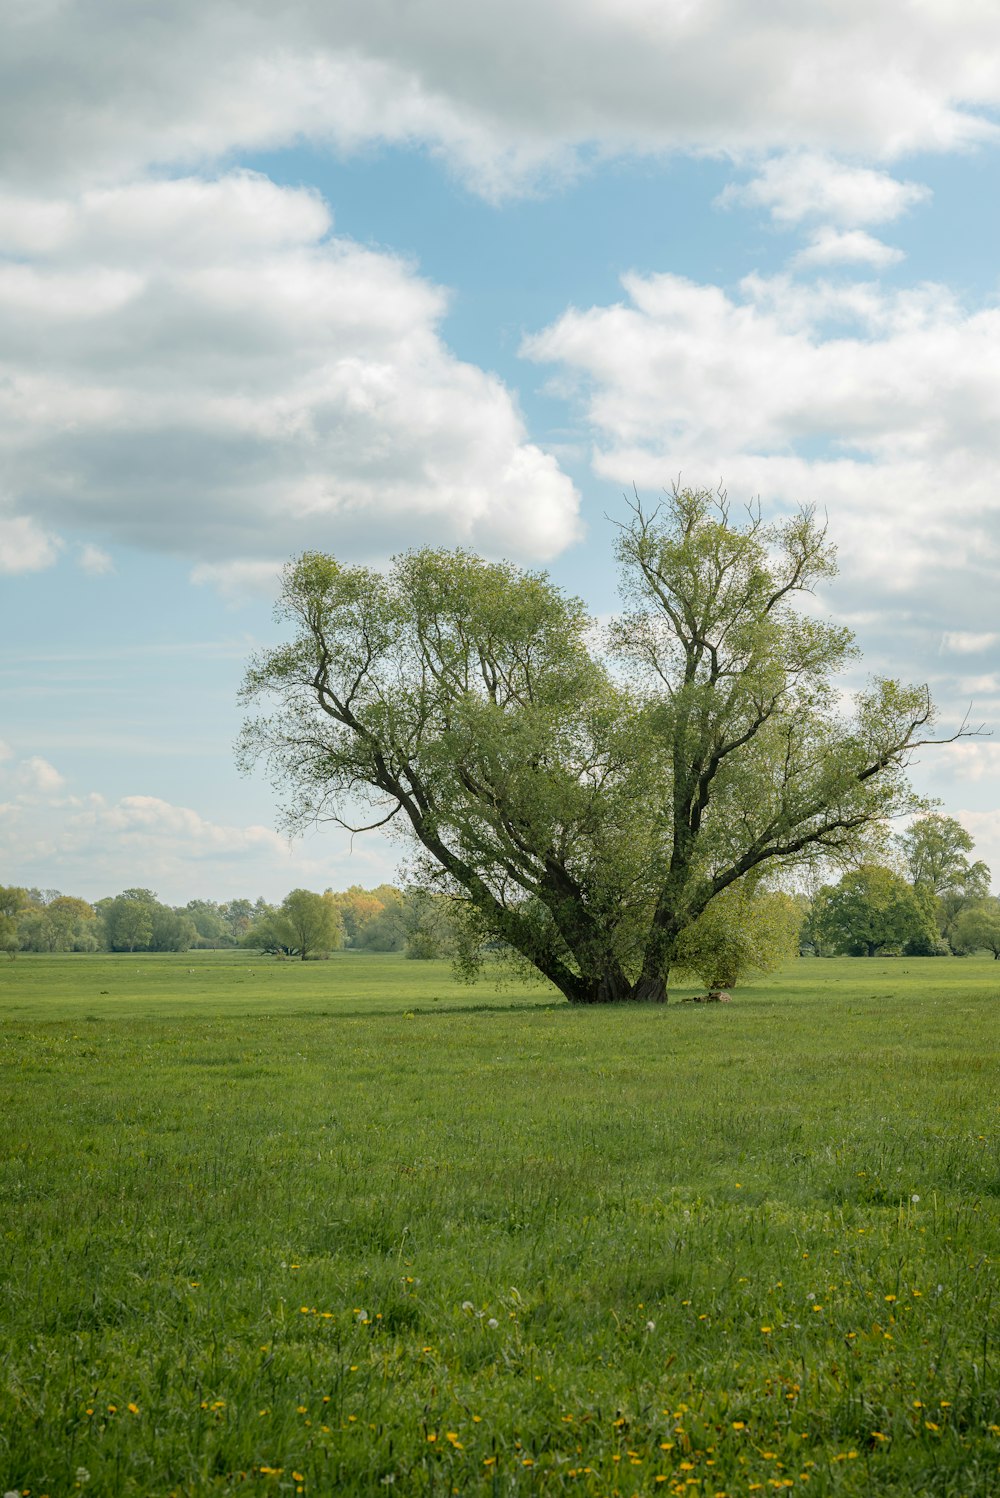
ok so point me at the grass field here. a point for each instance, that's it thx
(349, 1227)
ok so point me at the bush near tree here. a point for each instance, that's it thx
(744, 931)
(304, 925)
(977, 928)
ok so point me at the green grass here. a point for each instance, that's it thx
(350, 1227)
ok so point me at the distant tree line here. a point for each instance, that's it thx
(935, 902)
(931, 900)
(304, 924)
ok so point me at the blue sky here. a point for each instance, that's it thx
(362, 276)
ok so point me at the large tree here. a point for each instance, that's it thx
(872, 910)
(587, 808)
(304, 925)
(936, 849)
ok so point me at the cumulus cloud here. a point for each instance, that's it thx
(24, 545)
(966, 642)
(202, 368)
(847, 247)
(976, 760)
(36, 777)
(881, 405)
(507, 90)
(985, 829)
(94, 561)
(238, 580)
(801, 185)
(87, 844)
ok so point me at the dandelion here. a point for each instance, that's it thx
(467, 1305)
(298, 1477)
(914, 1198)
(651, 1326)
(133, 1409)
(361, 1316)
(82, 1476)
(493, 1323)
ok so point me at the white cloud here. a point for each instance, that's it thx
(882, 406)
(36, 777)
(847, 247)
(507, 90)
(25, 546)
(976, 760)
(199, 367)
(985, 829)
(801, 185)
(89, 845)
(965, 642)
(238, 580)
(95, 562)
(879, 407)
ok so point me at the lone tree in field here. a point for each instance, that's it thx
(587, 809)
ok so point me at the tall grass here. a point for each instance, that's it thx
(349, 1227)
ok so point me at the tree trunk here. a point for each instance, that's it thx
(650, 990)
(614, 988)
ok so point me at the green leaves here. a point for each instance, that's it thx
(871, 910)
(587, 809)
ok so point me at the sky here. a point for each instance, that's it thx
(357, 275)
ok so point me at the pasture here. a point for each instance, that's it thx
(275, 1228)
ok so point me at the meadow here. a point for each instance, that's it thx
(350, 1227)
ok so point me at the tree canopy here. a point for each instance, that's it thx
(872, 910)
(587, 805)
(304, 925)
